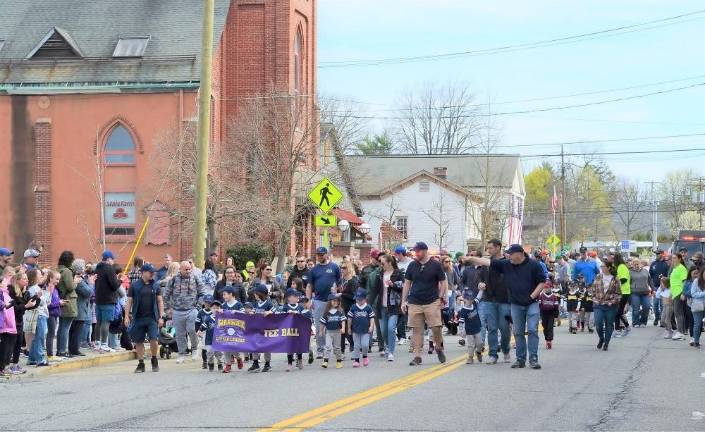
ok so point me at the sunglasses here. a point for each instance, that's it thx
(343, 268)
(251, 272)
(268, 269)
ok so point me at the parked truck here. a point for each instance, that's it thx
(692, 240)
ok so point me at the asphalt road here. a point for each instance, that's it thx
(642, 383)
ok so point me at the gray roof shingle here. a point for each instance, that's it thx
(375, 173)
(172, 55)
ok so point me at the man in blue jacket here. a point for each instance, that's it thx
(658, 269)
(585, 267)
(143, 315)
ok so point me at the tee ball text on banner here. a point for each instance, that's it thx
(277, 333)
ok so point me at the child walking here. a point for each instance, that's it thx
(361, 324)
(206, 319)
(332, 326)
(231, 303)
(262, 305)
(548, 304)
(470, 326)
(573, 306)
(293, 306)
(586, 310)
(664, 292)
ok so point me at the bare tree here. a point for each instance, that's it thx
(438, 214)
(438, 120)
(388, 219)
(630, 201)
(674, 200)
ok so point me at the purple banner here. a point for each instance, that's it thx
(278, 333)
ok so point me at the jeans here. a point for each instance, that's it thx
(388, 325)
(74, 336)
(656, 304)
(85, 334)
(37, 352)
(697, 326)
(318, 309)
(492, 316)
(62, 344)
(640, 301)
(362, 343)
(604, 322)
(526, 319)
(185, 325)
(52, 327)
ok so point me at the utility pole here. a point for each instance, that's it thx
(204, 132)
(564, 238)
(698, 196)
(654, 217)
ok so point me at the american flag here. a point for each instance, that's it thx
(554, 201)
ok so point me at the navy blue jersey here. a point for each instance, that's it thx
(470, 318)
(237, 306)
(206, 323)
(264, 306)
(361, 317)
(333, 320)
(289, 308)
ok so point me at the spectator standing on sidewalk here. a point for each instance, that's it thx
(69, 310)
(83, 299)
(181, 298)
(106, 297)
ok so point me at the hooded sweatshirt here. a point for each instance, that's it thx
(106, 284)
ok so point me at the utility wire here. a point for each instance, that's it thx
(672, 20)
(601, 140)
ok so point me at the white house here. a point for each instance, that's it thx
(438, 198)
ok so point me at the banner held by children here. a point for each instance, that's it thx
(278, 333)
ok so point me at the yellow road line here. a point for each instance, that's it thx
(358, 400)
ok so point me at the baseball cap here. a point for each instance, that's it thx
(583, 249)
(332, 296)
(148, 268)
(468, 295)
(681, 249)
(217, 302)
(208, 299)
(321, 251)
(360, 294)
(374, 253)
(514, 249)
(108, 255)
(261, 289)
(31, 253)
(6, 252)
(292, 292)
(229, 290)
(401, 250)
(249, 264)
(420, 246)
(659, 251)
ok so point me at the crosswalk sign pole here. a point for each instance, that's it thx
(326, 239)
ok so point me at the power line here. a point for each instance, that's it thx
(672, 20)
(618, 153)
(602, 140)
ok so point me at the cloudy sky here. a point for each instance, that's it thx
(660, 57)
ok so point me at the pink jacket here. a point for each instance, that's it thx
(8, 325)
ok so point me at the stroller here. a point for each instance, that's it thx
(167, 341)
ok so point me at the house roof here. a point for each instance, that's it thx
(94, 28)
(373, 174)
(348, 216)
(423, 174)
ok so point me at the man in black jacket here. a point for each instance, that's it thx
(300, 271)
(106, 297)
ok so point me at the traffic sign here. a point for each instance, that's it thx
(553, 240)
(329, 221)
(625, 246)
(325, 195)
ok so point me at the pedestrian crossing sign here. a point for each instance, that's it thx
(325, 195)
(328, 221)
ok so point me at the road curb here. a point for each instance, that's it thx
(81, 363)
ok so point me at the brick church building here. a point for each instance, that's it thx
(88, 87)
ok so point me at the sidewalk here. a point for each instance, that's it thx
(91, 359)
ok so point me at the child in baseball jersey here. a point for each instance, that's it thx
(469, 325)
(206, 323)
(573, 300)
(361, 324)
(333, 326)
(293, 306)
(262, 305)
(585, 315)
(548, 304)
(231, 303)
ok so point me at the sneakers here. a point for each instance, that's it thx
(240, 364)
(180, 359)
(402, 341)
(220, 366)
(441, 356)
(324, 365)
(507, 358)
(140, 367)
(211, 367)
(479, 357)
(470, 359)
(415, 361)
(430, 347)
(338, 364)
(534, 364)
(390, 357)
(195, 355)
(17, 370)
(254, 368)
(310, 357)
(493, 360)
(228, 368)
(518, 364)
(356, 363)
(365, 362)
(667, 334)
(655, 322)
(155, 364)
(549, 344)
(599, 344)
(604, 348)
(289, 367)
(461, 342)
(618, 334)
(678, 336)
(205, 365)
(300, 364)
(106, 349)
(267, 367)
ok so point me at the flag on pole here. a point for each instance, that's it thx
(554, 201)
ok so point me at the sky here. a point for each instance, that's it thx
(672, 55)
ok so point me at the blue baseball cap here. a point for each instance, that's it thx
(108, 255)
(148, 268)
(208, 299)
(420, 246)
(261, 289)
(514, 249)
(332, 296)
(401, 250)
(321, 251)
(360, 294)
(6, 252)
(229, 290)
(292, 292)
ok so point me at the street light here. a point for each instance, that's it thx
(365, 228)
(344, 226)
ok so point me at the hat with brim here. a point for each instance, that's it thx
(515, 248)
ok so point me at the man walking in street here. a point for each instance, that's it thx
(323, 280)
(423, 297)
(403, 261)
(524, 279)
(585, 267)
(181, 297)
(494, 305)
(143, 315)
(106, 297)
(658, 269)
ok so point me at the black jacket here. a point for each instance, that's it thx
(347, 295)
(393, 292)
(296, 273)
(495, 291)
(106, 284)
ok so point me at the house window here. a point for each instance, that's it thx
(131, 47)
(424, 186)
(56, 44)
(402, 225)
(298, 54)
(119, 148)
(120, 213)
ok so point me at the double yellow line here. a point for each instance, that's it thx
(343, 406)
